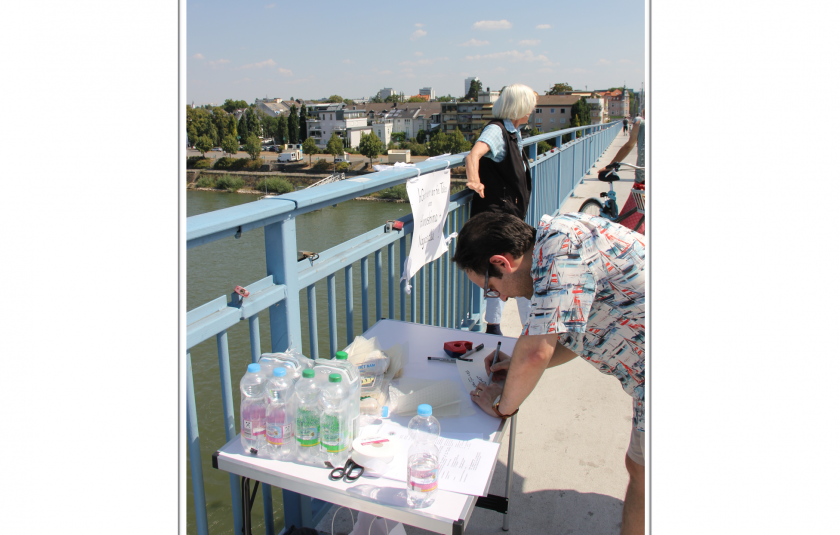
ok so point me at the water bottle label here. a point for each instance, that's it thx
(333, 436)
(423, 480)
(252, 429)
(307, 428)
(278, 434)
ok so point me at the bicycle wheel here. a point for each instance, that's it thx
(591, 207)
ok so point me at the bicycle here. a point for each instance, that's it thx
(609, 208)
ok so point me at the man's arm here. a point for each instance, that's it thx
(625, 150)
(531, 356)
(562, 355)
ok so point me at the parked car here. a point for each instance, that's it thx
(343, 158)
(217, 149)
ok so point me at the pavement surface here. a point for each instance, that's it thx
(572, 434)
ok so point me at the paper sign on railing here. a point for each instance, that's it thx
(429, 197)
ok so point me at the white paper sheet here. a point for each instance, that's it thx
(466, 460)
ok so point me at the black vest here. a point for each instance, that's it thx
(507, 185)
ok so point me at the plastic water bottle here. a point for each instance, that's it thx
(252, 408)
(335, 424)
(423, 457)
(307, 417)
(279, 440)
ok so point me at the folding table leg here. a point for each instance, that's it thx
(511, 449)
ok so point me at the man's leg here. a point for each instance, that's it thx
(633, 516)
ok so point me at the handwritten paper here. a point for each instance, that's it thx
(466, 461)
(429, 197)
(472, 373)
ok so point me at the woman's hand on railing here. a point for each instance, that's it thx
(475, 184)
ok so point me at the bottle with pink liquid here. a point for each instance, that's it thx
(252, 409)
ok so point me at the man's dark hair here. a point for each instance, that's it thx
(488, 234)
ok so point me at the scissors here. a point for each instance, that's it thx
(351, 472)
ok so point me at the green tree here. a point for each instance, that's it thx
(377, 99)
(335, 99)
(281, 132)
(421, 136)
(475, 87)
(417, 99)
(232, 105)
(253, 146)
(302, 134)
(371, 146)
(393, 98)
(398, 136)
(310, 148)
(293, 125)
(349, 101)
(203, 144)
(335, 147)
(242, 128)
(439, 144)
(559, 89)
(581, 109)
(457, 142)
(230, 145)
(447, 98)
(253, 123)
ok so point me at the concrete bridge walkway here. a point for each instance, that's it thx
(572, 434)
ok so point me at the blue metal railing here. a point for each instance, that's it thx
(441, 295)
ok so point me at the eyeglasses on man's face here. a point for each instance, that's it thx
(487, 292)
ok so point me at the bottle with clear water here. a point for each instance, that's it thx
(335, 422)
(423, 457)
(252, 409)
(279, 440)
(307, 417)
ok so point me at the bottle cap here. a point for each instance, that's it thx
(279, 371)
(335, 377)
(309, 373)
(340, 355)
(253, 368)
(424, 410)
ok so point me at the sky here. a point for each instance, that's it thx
(270, 48)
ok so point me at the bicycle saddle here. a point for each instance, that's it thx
(608, 176)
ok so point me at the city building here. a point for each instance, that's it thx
(488, 96)
(273, 107)
(428, 91)
(413, 119)
(618, 103)
(385, 93)
(552, 112)
(468, 117)
(467, 83)
(382, 131)
(349, 125)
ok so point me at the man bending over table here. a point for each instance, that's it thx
(585, 277)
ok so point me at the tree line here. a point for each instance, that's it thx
(217, 123)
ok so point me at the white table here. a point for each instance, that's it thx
(450, 512)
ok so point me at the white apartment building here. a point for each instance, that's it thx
(488, 96)
(334, 119)
(412, 120)
(387, 92)
(382, 131)
(428, 91)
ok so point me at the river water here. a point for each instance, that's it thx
(214, 270)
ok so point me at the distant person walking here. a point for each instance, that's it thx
(625, 126)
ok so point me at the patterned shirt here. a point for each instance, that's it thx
(492, 135)
(589, 288)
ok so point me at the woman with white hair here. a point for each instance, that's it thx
(497, 171)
